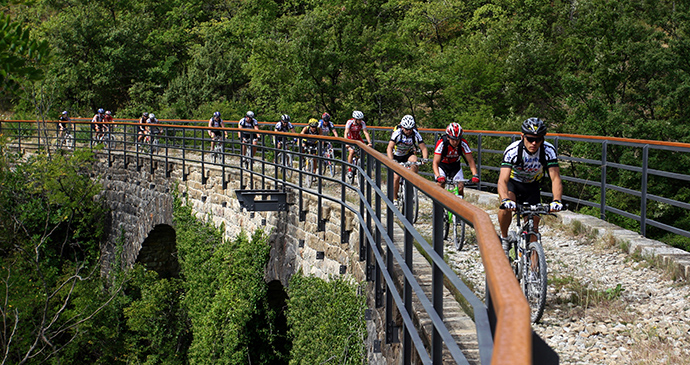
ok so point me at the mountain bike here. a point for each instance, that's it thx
(329, 154)
(217, 151)
(248, 151)
(352, 174)
(526, 256)
(66, 140)
(152, 141)
(284, 157)
(107, 140)
(415, 195)
(452, 222)
(309, 162)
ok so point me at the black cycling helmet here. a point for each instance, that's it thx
(534, 126)
(326, 117)
(285, 118)
(145, 114)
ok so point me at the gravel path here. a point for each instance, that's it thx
(603, 306)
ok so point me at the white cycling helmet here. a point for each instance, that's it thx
(357, 114)
(407, 122)
(152, 116)
(250, 114)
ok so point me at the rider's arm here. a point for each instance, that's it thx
(556, 183)
(473, 165)
(502, 186)
(222, 125)
(346, 134)
(389, 150)
(333, 130)
(435, 163)
(425, 151)
(210, 125)
(366, 134)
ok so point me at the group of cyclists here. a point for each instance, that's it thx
(525, 162)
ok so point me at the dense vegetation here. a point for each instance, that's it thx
(613, 68)
(57, 308)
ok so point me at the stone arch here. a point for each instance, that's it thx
(159, 251)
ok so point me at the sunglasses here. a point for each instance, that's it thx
(534, 139)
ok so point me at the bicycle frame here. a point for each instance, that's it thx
(527, 252)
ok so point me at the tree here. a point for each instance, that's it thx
(49, 250)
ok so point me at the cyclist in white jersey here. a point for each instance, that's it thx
(402, 147)
(248, 122)
(283, 125)
(524, 164)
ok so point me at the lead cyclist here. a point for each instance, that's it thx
(524, 165)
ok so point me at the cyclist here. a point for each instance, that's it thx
(108, 117)
(151, 128)
(449, 151)
(141, 129)
(402, 147)
(524, 164)
(248, 122)
(310, 145)
(353, 129)
(62, 126)
(327, 125)
(214, 123)
(283, 125)
(96, 125)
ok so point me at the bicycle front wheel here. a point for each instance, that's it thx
(460, 233)
(307, 170)
(534, 280)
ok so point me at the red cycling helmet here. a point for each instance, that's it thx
(454, 131)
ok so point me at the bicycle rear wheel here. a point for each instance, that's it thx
(534, 280)
(415, 205)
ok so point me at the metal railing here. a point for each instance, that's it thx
(503, 329)
(596, 171)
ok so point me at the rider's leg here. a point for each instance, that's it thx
(396, 186)
(505, 216)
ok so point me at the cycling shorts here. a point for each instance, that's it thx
(246, 137)
(403, 158)
(525, 192)
(311, 149)
(451, 170)
(217, 133)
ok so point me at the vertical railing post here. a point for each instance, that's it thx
(378, 290)
(602, 191)
(407, 288)
(390, 325)
(343, 172)
(643, 196)
(437, 283)
(479, 160)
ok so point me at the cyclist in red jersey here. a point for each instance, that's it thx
(353, 129)
(447, 158)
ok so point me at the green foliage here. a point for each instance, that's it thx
(225, 294)
(326, 321)
(51, 227)
(157, 320)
